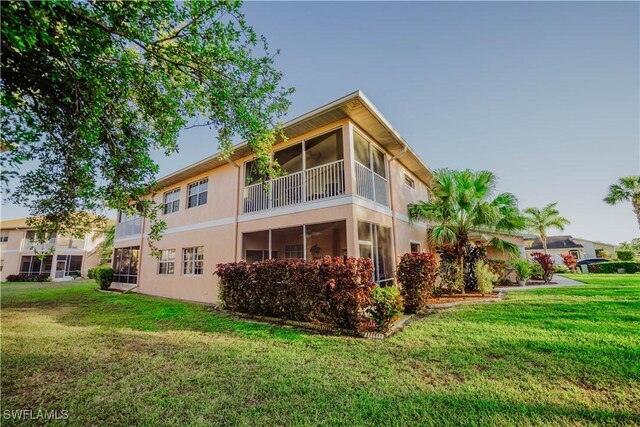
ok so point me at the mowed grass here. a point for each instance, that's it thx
(565, 356)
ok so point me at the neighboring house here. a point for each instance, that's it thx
(350, 177)
(560, 245)
(19, 255)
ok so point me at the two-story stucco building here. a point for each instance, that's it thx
(349, 178)
(20, 255)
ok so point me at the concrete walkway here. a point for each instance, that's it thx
(561, 282)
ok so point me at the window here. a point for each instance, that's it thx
(192, 261)
(172, 201)
(290, 158)
(4, 236)
(197, 193)
(575, 254)
(409, 182)
(166, 263)
(68, 265)
(416, 247)
(294, 251)
(375, 242)
(255, 255)
(128, 224)
(125, 264)
(34, 265)
(323, 149)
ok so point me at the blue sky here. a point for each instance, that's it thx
(544, 94)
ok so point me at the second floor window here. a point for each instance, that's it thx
(172, 201)
(192, 260)
(409, 182)
(197, 193)
(166, 263)
(4, 237)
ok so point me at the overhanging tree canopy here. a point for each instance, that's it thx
(88, 89)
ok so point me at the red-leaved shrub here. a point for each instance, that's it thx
(570, 261)
(335, 290)
(417, 276)
(546, 263)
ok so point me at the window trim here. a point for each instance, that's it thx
(415, 242)
(409, 181)
(4, 236)
(165, 204)
(197, 182)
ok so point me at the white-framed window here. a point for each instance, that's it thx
(294, 251)
(192, 261)
(409, 182)
(197, 193)
(167, 261)
(172, 201)
(4, 236)
(415, 246)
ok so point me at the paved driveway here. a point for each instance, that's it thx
(561, 282)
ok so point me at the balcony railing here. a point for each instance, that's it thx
(130, 227)
(371, 186)
(59, 243)
(320, 182)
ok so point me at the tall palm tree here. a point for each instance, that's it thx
(462, 203)
(540, 220)
(626, 190)
(108, 235)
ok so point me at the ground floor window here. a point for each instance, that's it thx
(125, 264)
(192, 260)
(416, 247)
(311, 241)
(374, 242)
(68, 265)
(575, 254)
(33, 265)
(166, 263)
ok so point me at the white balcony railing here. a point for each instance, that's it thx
(130, 227)
(371, 186)
(27, 244)
(317, 183)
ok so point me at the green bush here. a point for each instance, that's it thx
(90, 273)
(522, 268)
(625, 255)
(387, 306)
(613, 267)
(417, 276)
(561, 269)
(537, 273)
(28, 278)
(485, 277)
(103, 276)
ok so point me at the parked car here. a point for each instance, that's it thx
(588, 261)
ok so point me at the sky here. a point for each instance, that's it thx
(544, 94)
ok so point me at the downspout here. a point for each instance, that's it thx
(393, 210)
(237, 199)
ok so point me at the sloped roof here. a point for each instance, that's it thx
(556, 242)
(355, 106)
(13, 223)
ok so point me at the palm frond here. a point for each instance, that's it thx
(504, 246)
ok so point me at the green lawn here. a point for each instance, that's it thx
(564, 356)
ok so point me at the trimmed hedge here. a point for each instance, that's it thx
(613, 266)
(103, 276)
(338, 291)
(28, 278)
(417, 275)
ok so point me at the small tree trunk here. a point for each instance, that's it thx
(461, 271)
(636, 209)
(544, 244)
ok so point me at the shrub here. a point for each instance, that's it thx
(472, 255)
(103, 276)
(387, 306)
(522, 268)
(601, 253)
(449, 278)
(546, 263)
(336, 290)
(536, 271)
(28, 278)
(625, 255)
(569, 261)
(500, 268)
(613, 267)
(416, 274)
(90, 274)
(561, 269)
(485, 277)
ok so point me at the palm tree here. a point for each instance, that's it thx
(462, 203)
(626, 190)
(540, 220)
(108, 235)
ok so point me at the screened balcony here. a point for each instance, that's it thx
(371, 171)
(314, 170)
